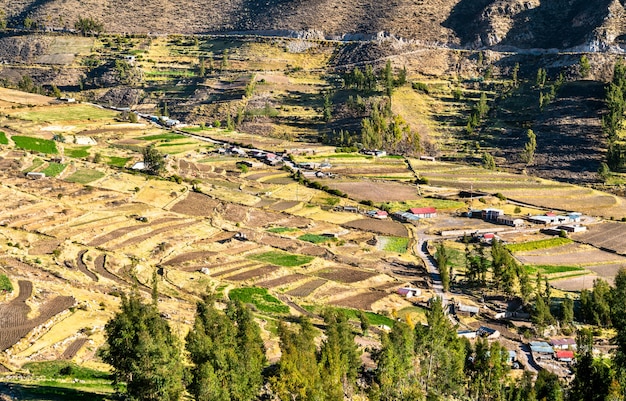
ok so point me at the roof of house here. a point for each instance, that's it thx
(541, 347)
(422, 210)
(565, 354)
(562, 341)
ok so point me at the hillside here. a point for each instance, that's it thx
(524, 24)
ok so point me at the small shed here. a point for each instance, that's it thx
(409, 292)
(466, 333)
(466, 309)
(138, 166)
(510, 221)
(33, 175)
(488, 332)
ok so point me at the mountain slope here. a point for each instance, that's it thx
(517, 23)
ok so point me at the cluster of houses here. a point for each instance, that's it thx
(568, 222)
(561, 350)
(373, 152)
(415, 214)
(268, 158)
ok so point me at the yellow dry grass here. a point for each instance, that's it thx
(17, 97)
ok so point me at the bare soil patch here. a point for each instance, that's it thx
(44, 247)
(282, 281)
(385, 227)
(345, 275)
(196, 204)
(307, 289)
(189, 256)
(362, 301)
(570, 254)
(573, 283)
(80, 263)
(284, 205)
(14, 324)
(100, 266)
(606, 235)
(254, 273)
(226, 272)
(152, 234)
(376, 191)
(71, 351)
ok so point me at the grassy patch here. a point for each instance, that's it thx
(54, 169)
(37, 162)
(66, 113)
(60, 369)
(168, 136)
(547, 269)
(258, 297)
(541, 244)
(162, 145)
(282, 258)
(36, 144)
(117, 161)
(396, 244)
(314, 238)
(5, 284)
(85, 176)
(280, 230)
(426, 202)
(3, 139)
(77, 153)
(353, 314)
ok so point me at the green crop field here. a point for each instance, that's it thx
(5, 284)
(279, 230)
(37, 162)
(168, 136)
(85, 176)
(3, 139)
(78, 152)
(54, 169)
(541, 244)
(314, 238)
(35, 144)
(282, 258)
(548, 269)
(259, 297)
(396, 244)
(117, 161)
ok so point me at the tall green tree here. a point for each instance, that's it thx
(298, 376)
(153, 160)
(528, 155)
(144, 353)
(443, 264)
(339, 360)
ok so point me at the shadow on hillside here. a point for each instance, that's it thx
(553, 24)
(48, 393)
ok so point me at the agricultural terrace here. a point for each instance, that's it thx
(522, 188)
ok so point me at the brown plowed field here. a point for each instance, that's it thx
(233, 270)
(362, 301)
(83, 267)
(140, 238)
(377, 191)
(254, 273)
(281, 281)
(570, 254)
(196, 204)
(100, 266)
(283, 205)
(342, 275)
(385, 227)
(189, 256)
(115, 234)
(307, 289)
(71, 351)
(606, 235)
(13, 316)
(43, 247)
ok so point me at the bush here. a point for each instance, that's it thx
(5, 284)
(420, 87)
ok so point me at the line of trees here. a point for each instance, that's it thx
(226, 359)
(612, 122)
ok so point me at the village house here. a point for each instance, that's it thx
(377, 214)
(564, 356)
(405, 217)
(488, 333)
(33, 175)
(510, 221)
(563, 343)
(492, 214)
(423, 212)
